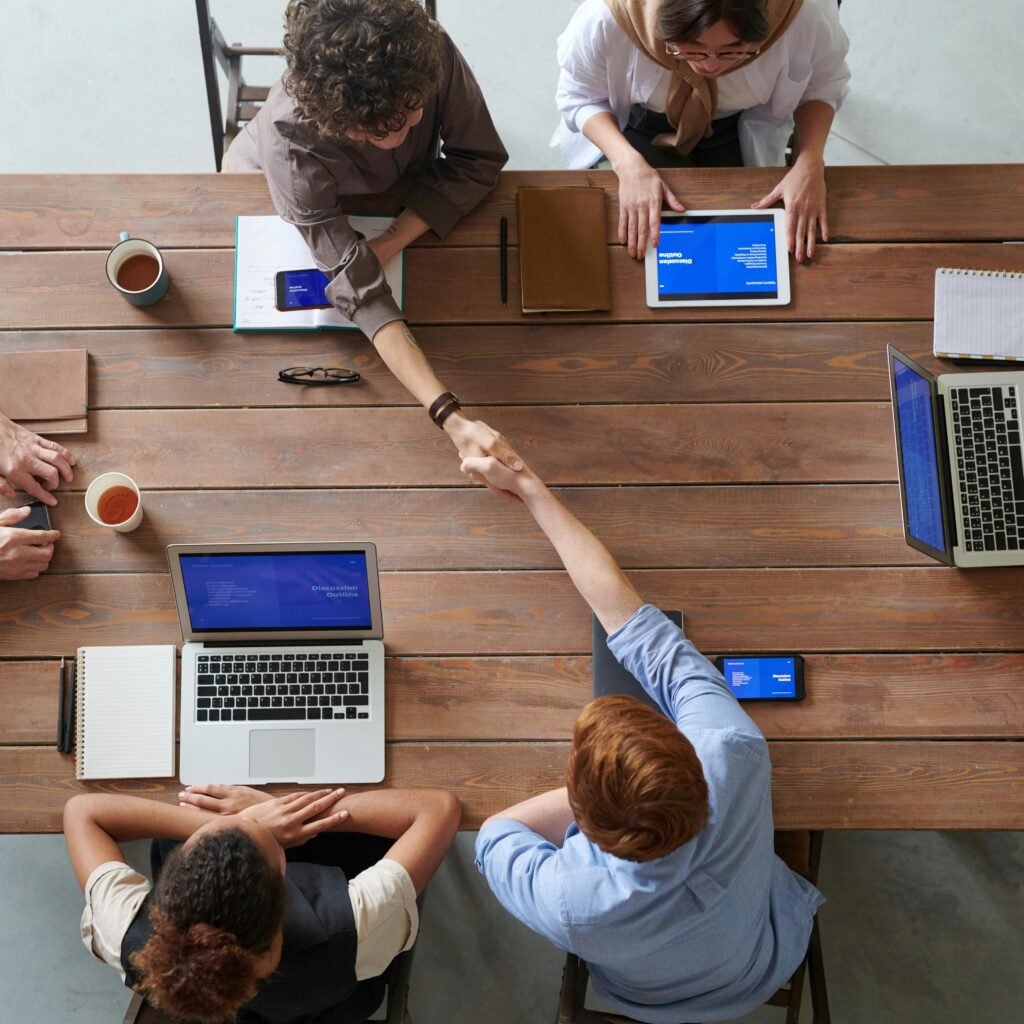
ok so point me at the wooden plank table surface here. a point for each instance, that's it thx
(739, 463)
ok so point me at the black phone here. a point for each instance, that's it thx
(37, 519)
(763, 677)
(302, 289)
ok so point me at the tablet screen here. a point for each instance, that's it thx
(717, 257)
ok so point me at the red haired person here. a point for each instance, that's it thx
(655, 864)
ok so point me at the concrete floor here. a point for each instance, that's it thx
(920, 928)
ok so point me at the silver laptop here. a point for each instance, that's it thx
(961, 462)
(282, 671)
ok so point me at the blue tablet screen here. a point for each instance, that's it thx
(717, 257)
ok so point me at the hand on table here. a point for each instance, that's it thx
(642, 193)
(24, 554)
(802, 192)
(295, 818)
(473, 438)
(31, 463)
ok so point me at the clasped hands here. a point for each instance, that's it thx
(35, 465)
(292, 819)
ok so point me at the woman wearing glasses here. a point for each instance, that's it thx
(706, 83)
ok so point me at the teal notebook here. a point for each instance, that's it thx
(265, 245)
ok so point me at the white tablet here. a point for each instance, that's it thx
(719, 258)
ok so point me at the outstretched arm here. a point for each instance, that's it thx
(601, 583)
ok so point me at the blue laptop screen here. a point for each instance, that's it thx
(274, 590)
(718, 257)
(919, 459)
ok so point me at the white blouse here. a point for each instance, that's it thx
(602, 71)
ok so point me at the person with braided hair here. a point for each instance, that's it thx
(265, 910)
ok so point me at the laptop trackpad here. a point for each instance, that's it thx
(286, 754)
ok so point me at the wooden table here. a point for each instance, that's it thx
(739, 463)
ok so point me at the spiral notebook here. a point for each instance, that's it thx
(124, 709)
(979, 314)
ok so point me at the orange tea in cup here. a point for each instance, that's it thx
(117, 505)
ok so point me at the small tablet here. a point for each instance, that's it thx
(719, 258)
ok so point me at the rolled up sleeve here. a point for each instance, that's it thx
(520, 867)
(830, 74)
(114, 892)
(583, 89)
(304, 194)
(387, 920)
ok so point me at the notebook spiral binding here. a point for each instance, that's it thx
(80, 715)
(956, 271)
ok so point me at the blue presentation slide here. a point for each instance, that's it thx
(919, 458)
(305, 288)
(308, 590)
(718, 258)
(760, 677)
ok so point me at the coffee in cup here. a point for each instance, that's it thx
(113, 500)
(136, 269)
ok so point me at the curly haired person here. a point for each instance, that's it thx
(265, 910)
(375, 93)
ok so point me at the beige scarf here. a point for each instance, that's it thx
(691, 97)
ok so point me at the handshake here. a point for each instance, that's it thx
(489, 459)
(36, 466)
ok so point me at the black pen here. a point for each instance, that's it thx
(61, 698)
(504, 261)
(69, 720)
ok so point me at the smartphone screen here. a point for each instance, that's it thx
(757, 678)
(37, 519)
(302, 289)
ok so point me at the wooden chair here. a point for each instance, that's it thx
(243, 101)
(575, 974)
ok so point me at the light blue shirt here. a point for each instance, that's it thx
(706, 933)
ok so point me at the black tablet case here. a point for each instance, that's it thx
(609, 676)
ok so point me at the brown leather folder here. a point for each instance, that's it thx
(46, 391)
(563, 249)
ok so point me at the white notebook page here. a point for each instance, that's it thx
(125, 706)
(979, 314)
(265, 245)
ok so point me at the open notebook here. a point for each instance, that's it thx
(265, 245)
(124, 709)
(979, 314)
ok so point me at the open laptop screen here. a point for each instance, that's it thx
(918, 454)
(304, 590)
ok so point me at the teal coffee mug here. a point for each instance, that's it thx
(136, 269)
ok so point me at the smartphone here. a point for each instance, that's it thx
(302, 289)
(753, 677)
(37, 519)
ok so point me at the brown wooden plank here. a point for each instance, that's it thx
(897, 785)
(460, 285)
(866, 204)
(661, 444)
(849, 696)
(651, 527)
(503, 365)
(473, 613)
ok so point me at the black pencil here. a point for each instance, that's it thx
(70, 719)
(61, 703)
(504, 261)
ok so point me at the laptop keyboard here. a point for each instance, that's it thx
(986, 425)
(310, 686)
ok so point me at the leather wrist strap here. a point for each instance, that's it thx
(442, 407)
(446, 412)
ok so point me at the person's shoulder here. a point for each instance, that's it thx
(814, 18)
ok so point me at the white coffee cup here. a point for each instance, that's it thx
(99, 487)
